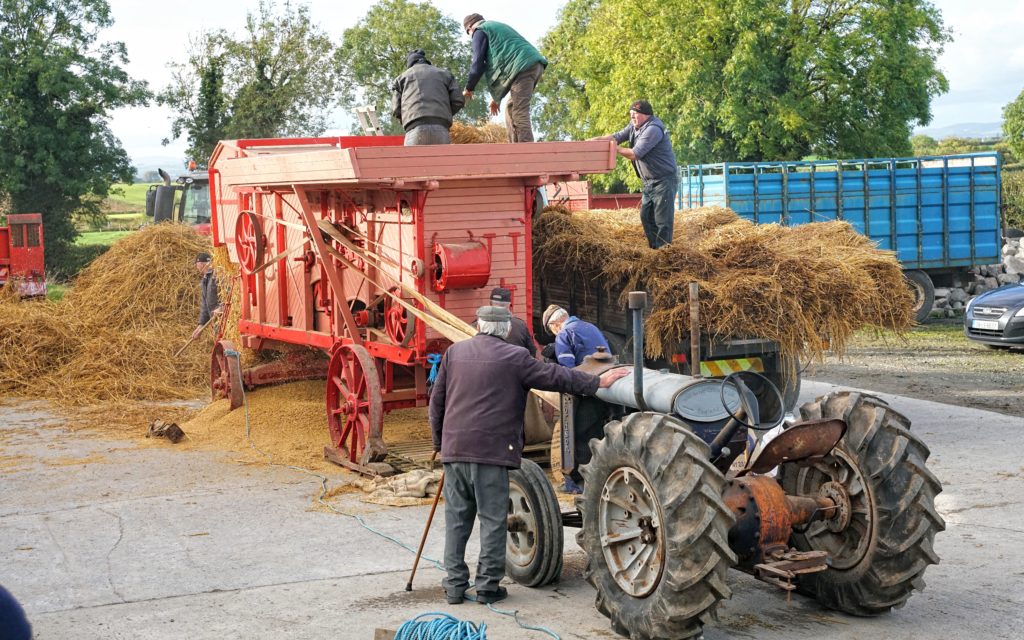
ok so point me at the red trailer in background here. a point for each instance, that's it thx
(577, 195)
(21, 254)
(344, 243)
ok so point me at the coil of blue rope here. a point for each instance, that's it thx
(443, 627)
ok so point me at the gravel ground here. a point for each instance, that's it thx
(933, 362)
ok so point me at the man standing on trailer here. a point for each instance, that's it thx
(209, 300)
(576, 339)
(650, 151)
(476, 417)
(424, 99)
(510, 66)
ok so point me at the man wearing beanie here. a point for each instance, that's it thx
(510, 66)
(650, 151)
(476, 419)
(425, 99)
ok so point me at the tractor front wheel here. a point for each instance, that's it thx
(533, 548)
(655, 528)
(882, 542)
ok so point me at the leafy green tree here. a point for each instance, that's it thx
(748, 79)
(923, 145)
(59, 83)
(372, 54)
(1013, 125)
(198, 97)
(275, 80)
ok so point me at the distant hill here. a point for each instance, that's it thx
(964, 130)
(149, 164)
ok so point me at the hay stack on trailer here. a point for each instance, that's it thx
(807, 288)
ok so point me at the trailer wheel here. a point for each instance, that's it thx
(250, 242)
(225, 374)
(355, 414)
(655, 528)
(924, 293)
(882, 545)
(533, 547)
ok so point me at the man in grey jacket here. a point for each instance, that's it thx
(476, 417)
(650, 151)
(209, 298)
(425, 99)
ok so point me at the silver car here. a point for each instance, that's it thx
(996, 318)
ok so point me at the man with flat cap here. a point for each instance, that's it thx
(510, 65)
(424, 99)
(476, 418)
(519, 333)
(209, 300)
(650, 151)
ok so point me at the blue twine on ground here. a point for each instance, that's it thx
(443, 627)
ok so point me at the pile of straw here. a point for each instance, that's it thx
(807, 287)
(113, 336)
(482, 133)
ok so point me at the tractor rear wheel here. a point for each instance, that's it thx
(655, 528)
(533, 547)
(883, 543)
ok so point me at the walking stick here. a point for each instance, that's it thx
(426, 530)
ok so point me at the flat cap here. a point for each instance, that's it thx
(203, 257)
(550, 311)
(494, 314)
(501, 294)
(470, 20)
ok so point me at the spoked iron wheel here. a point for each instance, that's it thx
(399, 324)
(225, 374)
(354, 409)
(250, 242)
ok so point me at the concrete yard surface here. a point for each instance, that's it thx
(100, 538)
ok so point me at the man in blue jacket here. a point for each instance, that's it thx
(476, 417)
(509, 65)
(576, 339)
(650, 151)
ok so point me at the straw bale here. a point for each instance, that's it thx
(807, 287)
(486, 132)
(113, 336)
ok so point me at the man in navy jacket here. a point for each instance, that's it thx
(476, 417)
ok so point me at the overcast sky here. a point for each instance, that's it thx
(984, 63)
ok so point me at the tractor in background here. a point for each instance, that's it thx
(187, 202)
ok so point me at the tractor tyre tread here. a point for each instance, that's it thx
(695, 525)
(892, 460)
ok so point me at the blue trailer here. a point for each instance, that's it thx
(940, 215)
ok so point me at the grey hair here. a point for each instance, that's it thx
(558, 316)
(499, 329)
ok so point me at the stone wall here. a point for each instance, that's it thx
(950, 302)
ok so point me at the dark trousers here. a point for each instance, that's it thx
(517, 109)
(428, 134)
(658, 210)
(588, 424)
(472, 490)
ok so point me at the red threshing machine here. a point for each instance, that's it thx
(21, 254)
(346, 246)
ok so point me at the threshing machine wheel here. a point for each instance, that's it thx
(399, 324)
(533, 547)
(882, 545)
(355, 413)
(226, 374)
(249, 242)
(655, 528)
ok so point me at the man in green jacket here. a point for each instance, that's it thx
(510, 66)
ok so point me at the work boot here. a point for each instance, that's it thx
(454, 598)
(490, 597)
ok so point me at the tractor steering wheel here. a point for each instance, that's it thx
(742, 388)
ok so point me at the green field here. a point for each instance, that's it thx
(131, 200)
(100, 237)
